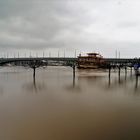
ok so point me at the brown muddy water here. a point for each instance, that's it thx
(54, 106)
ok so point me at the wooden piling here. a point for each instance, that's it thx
(109, 76)
(131, 71)
(125, 72)
(73, 71)
(136, 73)
(119, 74)
(34, 71)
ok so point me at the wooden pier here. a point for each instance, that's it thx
(112, 64)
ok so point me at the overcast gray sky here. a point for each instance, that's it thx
(85, 25)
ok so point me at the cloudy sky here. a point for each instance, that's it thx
(36, 26)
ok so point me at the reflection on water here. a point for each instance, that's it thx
(57, 106)
(34, 87)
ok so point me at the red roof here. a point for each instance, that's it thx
(91, 55)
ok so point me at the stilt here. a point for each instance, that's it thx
(73, 81)
(34, 84)
(125, 72)
(73, 71)
(109, 76)
(136, 79)
(131, 71)
(73, 75)
(119, 74)
(34, 68)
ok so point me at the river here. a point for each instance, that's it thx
(54, 106)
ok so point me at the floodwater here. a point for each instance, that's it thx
(54, 106)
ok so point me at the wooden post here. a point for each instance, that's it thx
(136, 79)
(74, 70)
(125, 72)
(119, 73)
(73, 67)
(73, 81)
(109, 76)
(34, 84)
(131, 71)
(34, 68)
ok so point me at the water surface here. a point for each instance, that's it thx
(54, 106)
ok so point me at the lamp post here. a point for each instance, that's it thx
(58, 53)
(64, 53)
(75, 53)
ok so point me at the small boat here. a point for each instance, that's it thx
(91, 61)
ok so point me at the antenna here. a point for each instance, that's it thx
(116, 54)
(58, 53)
(75, 53)
(64, 53)
(7, 55)
(119, 54)
(49, 54)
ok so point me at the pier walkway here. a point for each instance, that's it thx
(68, 59)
